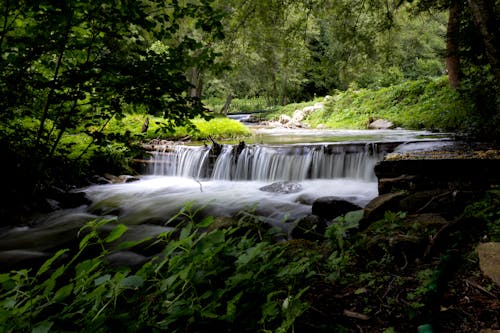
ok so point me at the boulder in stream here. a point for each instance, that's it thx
(331, 207)
(282, 187)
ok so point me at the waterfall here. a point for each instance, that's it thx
(269, 163)
(181, 161)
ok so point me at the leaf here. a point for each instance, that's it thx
(132, 282)
(251, 253)
(205, 222)
(185, 232)
(43, 327)
(46, 265)
(208, 243)
(63, 292)
(86, 267)
(116, 233)
(102, 279)
(353, 218)
(51, 282)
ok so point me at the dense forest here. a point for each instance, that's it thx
(78, 80)
(68, 69)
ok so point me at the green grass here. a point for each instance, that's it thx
(421, 104)
(239, 105)
(220, 128)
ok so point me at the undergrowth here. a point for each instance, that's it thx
(237, 277)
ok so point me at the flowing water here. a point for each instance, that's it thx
(330, 163)
(303, 166)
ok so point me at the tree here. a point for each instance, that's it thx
(73, 65)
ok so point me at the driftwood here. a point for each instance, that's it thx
(216, 147)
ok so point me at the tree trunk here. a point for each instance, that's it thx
(226, 106)
(483, 14)
(452, 58)
(195, 80)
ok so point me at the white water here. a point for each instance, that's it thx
(269, 163)
(157, 198)
(232, 182)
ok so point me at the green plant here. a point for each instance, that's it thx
(201, 280)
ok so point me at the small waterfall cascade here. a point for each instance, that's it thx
(269, 163)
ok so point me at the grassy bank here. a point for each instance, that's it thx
(421, 104)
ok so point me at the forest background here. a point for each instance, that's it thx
(70, 70)
(79, 78)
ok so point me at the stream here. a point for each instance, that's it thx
(275, 177)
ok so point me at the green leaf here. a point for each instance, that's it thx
(46, 265)
(251, 253)
(116, 233)
(185, 232)
(86, 267)
(132, 282)
(205, 222)
(43, 327)
(63, 292)
(353, 218)
(102, 279)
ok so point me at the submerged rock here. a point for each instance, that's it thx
(282, 187)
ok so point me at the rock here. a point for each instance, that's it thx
(284, 119)
(381, 124)
(128, 178)
(489, 260)
(427, 220)
(99, 180)
(59, 198)
(456, 173)
(298, 116)
(321, 126)
(403, 182)
(282, 187)
(45, 238)
(310, 227)
(126, 259)
(14, 259)
(331, 207)
(376, 208)
(305, 199)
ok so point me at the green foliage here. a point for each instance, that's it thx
(73, 66)
(218, 127)
(203, 280)
(239, 105)
(487, 210)
(289, 51)
(421, 104)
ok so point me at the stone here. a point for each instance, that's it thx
(282, 187)
(310, 227)
(489, 260)
(284, 119)
(376, 208)
(13, 259)
(126, 259)
(381, 124)
(298, 116)
(331, 207)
